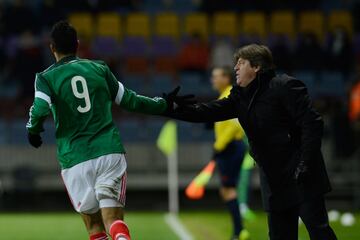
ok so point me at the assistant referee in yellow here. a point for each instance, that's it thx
(229, 152)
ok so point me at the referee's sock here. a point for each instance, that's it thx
(99, 236)
(233, 207)
(119, 231)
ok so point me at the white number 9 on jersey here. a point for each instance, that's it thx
(81, 95)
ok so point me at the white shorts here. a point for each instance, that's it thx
(97, 183)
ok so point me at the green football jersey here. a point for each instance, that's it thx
(80, 93)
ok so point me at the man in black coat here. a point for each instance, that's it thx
(284, 132)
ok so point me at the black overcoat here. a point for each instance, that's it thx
(283, 129)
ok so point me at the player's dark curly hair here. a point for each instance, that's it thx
(64, 38)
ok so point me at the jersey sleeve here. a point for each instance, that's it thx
(133, 102)
(113, 84)
(41, 106)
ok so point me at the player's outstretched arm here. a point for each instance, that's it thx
(133, 102)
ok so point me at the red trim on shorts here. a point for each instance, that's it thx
(122, 195)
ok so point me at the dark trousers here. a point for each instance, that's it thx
(283, 225)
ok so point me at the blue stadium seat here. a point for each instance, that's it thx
(136, 82)
(160, 83)
(49, 134)
(190, 82)
(135, 47)
(194, 132)
(309, 78)
(18, 132)
(106, 47)
(129, 130)
(332, 84)
(152, 129)
(3, 128)
(183, 6)
(153, 6)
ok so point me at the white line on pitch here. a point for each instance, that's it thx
(174, 223)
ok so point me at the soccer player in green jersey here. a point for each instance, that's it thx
(79, 93)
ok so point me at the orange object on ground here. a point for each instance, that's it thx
(196, 188)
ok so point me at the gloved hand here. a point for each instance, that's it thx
(300, 172)
(35, 140)
(174, 100)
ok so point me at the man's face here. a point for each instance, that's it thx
(245, 73)
(219, 80)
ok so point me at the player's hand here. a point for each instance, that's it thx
(301, 172)
(35, 140)
(174, 100)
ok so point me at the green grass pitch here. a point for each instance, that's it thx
(143, 226)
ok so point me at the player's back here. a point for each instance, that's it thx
(81, 104)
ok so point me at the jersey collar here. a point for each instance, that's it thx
(66, 59)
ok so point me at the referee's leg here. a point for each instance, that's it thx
(314, 215)
(283, 225)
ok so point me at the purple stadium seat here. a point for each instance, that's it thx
(164, 46)
(135, 47)
(106, 47)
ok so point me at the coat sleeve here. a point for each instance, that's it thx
(214, 111)
(299, 105)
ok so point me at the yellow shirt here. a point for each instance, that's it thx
(227, 131)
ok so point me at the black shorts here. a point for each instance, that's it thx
(229, 163)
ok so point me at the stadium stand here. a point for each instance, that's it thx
(142, 44)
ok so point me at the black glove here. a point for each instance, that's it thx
(301, 172)
(174, 100)
(34, 140)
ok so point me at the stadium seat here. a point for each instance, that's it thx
(138, 25)
(84, 24)
(18, 136)
(196, 23)
(181, 6)
(49, 135)
(312, 22)
(225, 24)
(164, 53)
(109, 25)
(136, 82)
(167, 25)
(130, 129)
(152, 6)
(3, 129)
(331, 84)
(283, 22)
(253, 24)
(339, 18)
(135, 47)
(160, 83)
(135, 50)
(105, 47)
(190, 81)
(309, 79)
